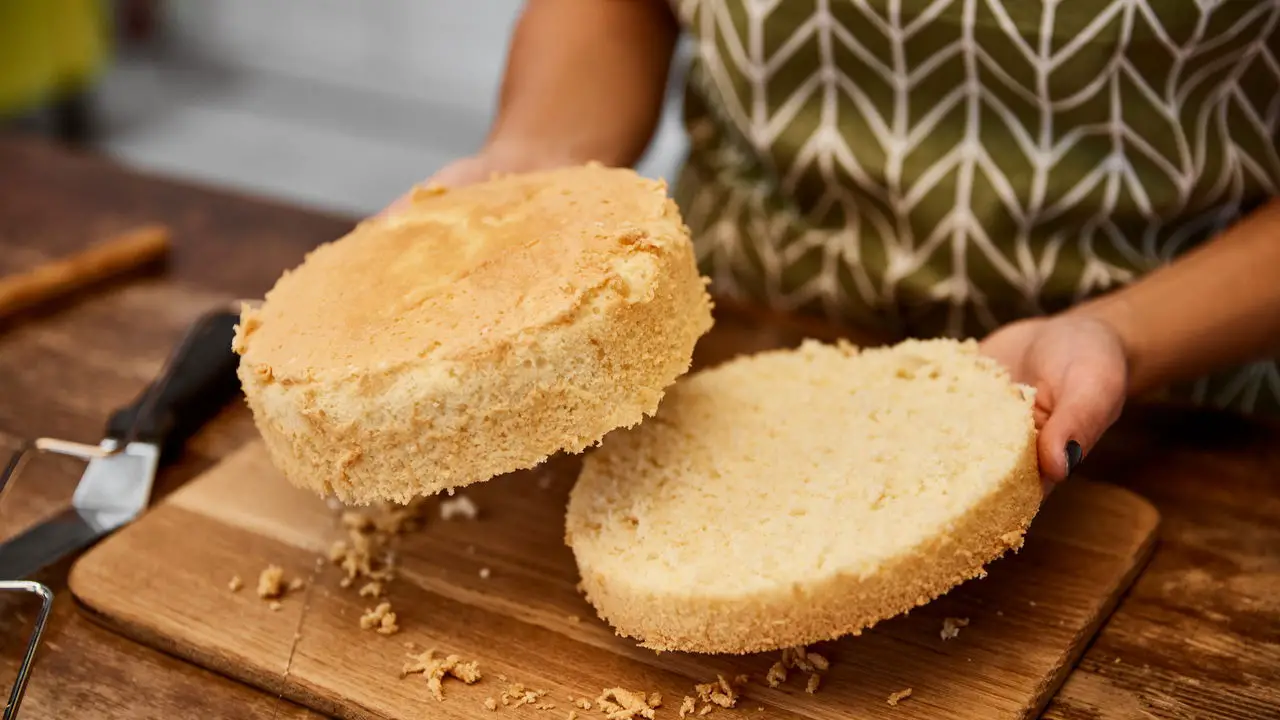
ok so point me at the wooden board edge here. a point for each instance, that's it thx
(1089, 633)
(214, 662)
(241, 670)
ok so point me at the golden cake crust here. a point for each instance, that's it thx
(476, 333)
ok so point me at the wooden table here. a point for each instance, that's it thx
(1199, 635)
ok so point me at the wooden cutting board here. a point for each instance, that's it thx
(164, 581)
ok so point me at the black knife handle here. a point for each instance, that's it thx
(197, 381)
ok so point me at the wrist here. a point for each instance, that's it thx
(518, 154)
(1116, 313)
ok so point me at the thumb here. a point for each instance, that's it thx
(1086, 402)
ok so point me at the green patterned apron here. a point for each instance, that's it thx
(941, 168)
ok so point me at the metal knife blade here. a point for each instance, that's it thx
(116, 485)
(113, 491)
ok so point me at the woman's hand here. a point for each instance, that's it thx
(493, 159)
(1078, 366)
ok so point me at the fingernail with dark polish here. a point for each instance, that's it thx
(1074, 455)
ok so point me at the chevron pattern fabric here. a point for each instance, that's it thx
(941, 167)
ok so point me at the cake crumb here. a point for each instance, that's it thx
(797, 658)
(741, 679)
(620, 704)
(236, 584)
(337, 550)
(720, 692)
(706, 709)
(1033, 603)
(777, 674)
(951, 627)
(490, 704)
(811, 687)
(573, 715)
(296, 584)
(485, 573)
(687, 707)
(380, 619)
(460, 506)
(895, 698)
(356, 520)
(275, 605)
(371, 589)
(818, 661)
(516, 694)
(583, 704)
(545, 706)
(435, 670)
(271, 582)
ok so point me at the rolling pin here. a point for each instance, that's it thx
(63, 276)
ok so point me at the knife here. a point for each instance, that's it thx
(198, 379)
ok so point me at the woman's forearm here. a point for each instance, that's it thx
(1214, 307)
(585, 80)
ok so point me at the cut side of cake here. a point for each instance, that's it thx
(797, 496)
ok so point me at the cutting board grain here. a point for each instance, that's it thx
(500, 589)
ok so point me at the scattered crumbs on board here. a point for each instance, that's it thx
(897, 697)
(800, 659)
(436, 669)
(485, 573)
(271, 582)
(458, 506)
(951, 627)
(516, 694)
(235, 584)
(620, 704)
(777, 674)
(380, 619)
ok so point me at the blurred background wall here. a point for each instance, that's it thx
(339, 104)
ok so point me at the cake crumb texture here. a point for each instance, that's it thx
(435, 670)
(380, 619)
(951, 627)
(797, 496)
(897, 697)
(271, 582)
(476, 333)
(621, 704)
